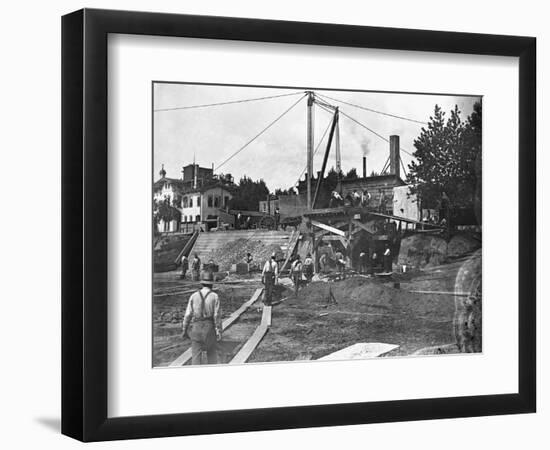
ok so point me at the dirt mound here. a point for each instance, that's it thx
(233, 252)
(421, 250)
(371, 296)
(462, 244)
(166, 250)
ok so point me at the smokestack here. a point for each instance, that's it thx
(364, 167)
(394, 155)
(195, 170)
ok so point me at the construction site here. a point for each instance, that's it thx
(388, 277)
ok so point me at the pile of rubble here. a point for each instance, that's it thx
(234, 252)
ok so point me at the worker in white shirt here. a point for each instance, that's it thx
(387, 259)
(356, 198)
(270, 275)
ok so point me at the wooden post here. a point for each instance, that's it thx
(309, 146)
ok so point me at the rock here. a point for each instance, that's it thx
(467, 321)
(462, 244)
(420, 250)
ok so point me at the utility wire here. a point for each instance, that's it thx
(261, 132)
(322, 106)
(374, 110)
(226, 103)
(372, 131)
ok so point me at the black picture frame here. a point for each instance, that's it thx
(84, 224)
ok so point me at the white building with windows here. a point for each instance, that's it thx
(199, 200)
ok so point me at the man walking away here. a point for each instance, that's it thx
(296, 273)
(308, 268)
(184, 266)
(270, 274)
(203, 316)
(195, 268)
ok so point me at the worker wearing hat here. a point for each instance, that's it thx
(270, 274)
(203, 319)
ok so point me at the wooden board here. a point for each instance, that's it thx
(328, 228)
(360, 351)
(186, 356)
(363, 226)
(266, 316)
(247, 349)
(235, 315)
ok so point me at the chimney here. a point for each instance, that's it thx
(394, 156)
(195, 174)
(364, 167)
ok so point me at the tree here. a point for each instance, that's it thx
(352, 174)
(248, 194)
(331, 180)
(447, 152)
(164, 211)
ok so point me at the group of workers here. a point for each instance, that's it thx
(196, 266)
(202, 318)
(358, 198)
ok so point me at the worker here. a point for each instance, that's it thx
(323, 262)
(363, 262)
(248, 259)
(356, 198)
(296, 273)
(270, 275)
(382, 201)
(387, 259)
(308, 268)
(366, 198)
(340, 264)
(277, 218)
(335, 199)
(195, 267)
(203, 320)
(184, 266)
(374, 262)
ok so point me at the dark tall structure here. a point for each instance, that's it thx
(394, 156)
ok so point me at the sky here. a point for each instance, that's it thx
(212, 134)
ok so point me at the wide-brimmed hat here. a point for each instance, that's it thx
(207, 277)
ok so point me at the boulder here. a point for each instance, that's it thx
(462, 244)
(421, 250)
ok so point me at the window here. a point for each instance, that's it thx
(185, 202)
(190, 202)
(199, 201)
(216, 201)
(225, 201)
(198, 218)
(210, 201)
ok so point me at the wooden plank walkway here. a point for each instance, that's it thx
(246, 350)
(186, 356)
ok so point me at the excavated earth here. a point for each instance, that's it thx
(308, 326)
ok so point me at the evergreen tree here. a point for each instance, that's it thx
(447, 155)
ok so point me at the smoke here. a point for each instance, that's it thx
(365, 148)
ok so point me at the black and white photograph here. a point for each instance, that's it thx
(311, 224)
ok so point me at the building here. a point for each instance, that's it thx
(389, 194)
(199, 196)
